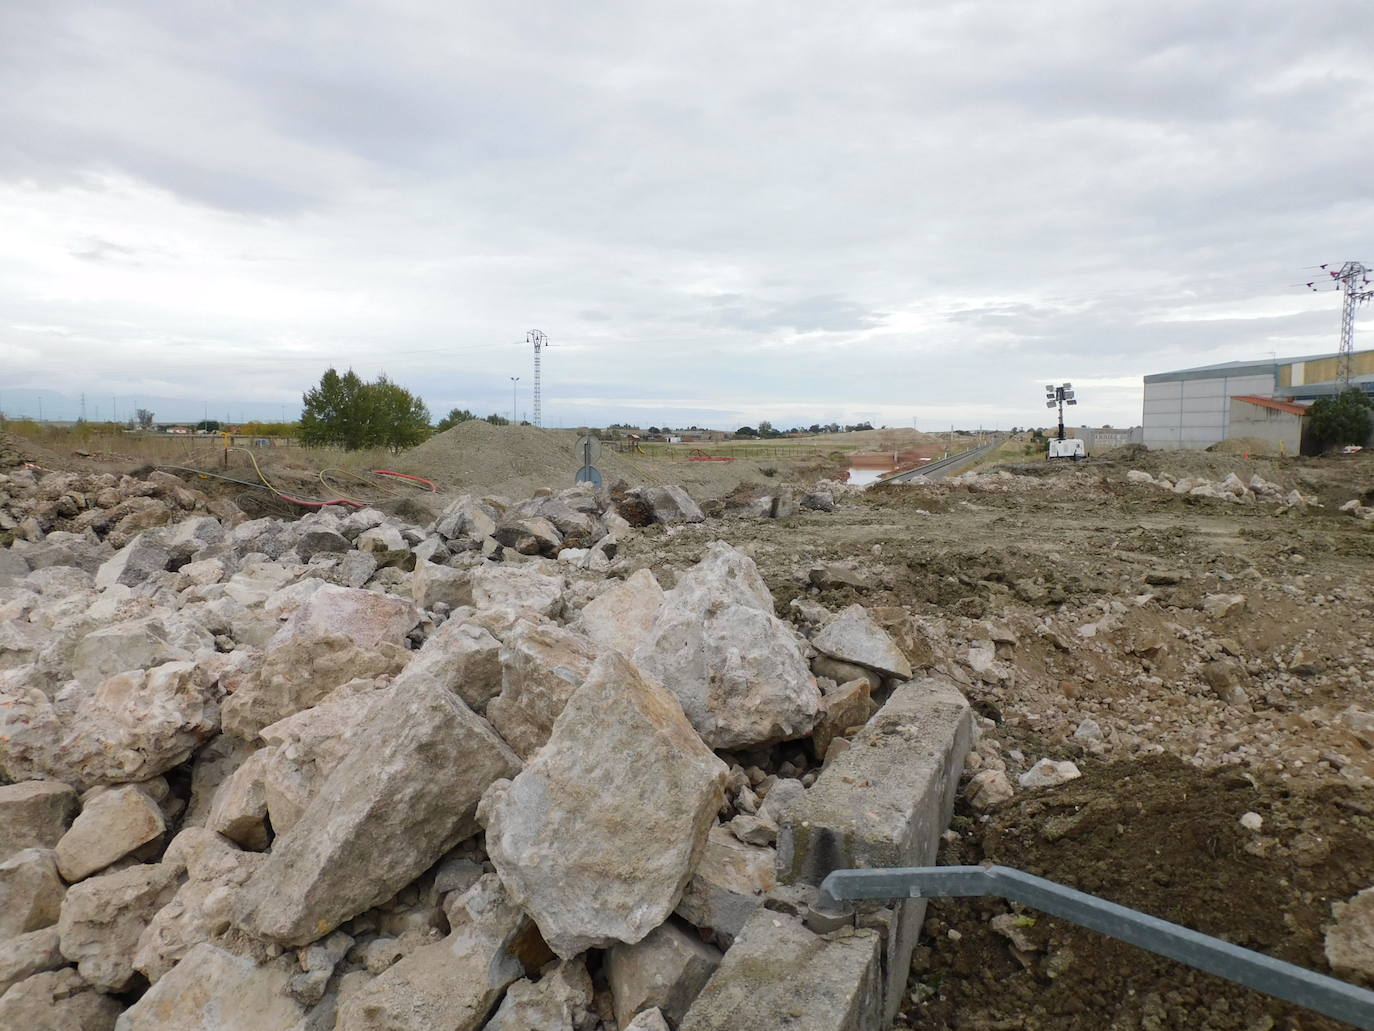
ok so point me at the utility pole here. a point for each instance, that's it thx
(513, 381)
(1352, 280)
(539, 340)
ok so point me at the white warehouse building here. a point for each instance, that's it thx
(1191, 408)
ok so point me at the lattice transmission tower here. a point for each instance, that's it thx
(1352, 280)
(540, 341)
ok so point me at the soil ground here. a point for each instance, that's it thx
(1101, 585)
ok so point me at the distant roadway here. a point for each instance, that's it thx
(942, 467)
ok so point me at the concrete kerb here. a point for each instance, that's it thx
(884, 803)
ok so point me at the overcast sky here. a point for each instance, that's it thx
(718, 212)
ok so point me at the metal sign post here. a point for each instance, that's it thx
(588, 450)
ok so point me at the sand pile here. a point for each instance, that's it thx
(517, 460)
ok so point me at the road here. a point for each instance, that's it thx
(941, 468)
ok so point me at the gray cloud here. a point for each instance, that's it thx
(889, 208)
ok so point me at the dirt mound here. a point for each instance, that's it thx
(517, 460)
(1164, 837)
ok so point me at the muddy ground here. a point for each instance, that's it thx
(1078, 611)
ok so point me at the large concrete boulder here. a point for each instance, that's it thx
(34, 814)
(541, 667)
(453, 984)
(672, 504)
(136, 644)
(398, 801)
(30, 892)
(432, 584)
(665, 971)
(852, 635)
(300, 672)
(517, 587)
(134, 726)
(1349, 943)
(103, 918)
(59, 1000)
(461, 656)
(466, 517)
(621, 617)
(215, 990)
(146, 555)
(239, 810)
(367, 618)
(779, 976)
(600, 832)
(737, 669)
(112, 825)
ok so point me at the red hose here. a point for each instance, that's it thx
(406, 476)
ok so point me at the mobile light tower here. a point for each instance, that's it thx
(539, 340)
(1060, 396)
(1352, 280)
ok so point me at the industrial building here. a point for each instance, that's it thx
(1192, 408)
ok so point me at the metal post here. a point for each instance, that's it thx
(513, 381)
(1286, 981)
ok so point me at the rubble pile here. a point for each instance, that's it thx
(1257, 491)
(347, 772)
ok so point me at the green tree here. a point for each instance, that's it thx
(765, 428)
(746, 431)
(207, 426)
(1340, 420)
(497, 420)
(453, 418)
(347, 412)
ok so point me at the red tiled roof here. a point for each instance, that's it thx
(1291, 407)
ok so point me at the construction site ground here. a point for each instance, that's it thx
(1080, 613)
(1101, 583)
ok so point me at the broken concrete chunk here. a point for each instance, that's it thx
(27, 954)
(736, 668)
(559, 835)
(453, 984)
(728, 885)
(517, 587)
(59, 1000)
(144, 556)
(559, 1001)
(988, 788)
(215, 990)
(34, 814)
(853, 636)
(541, 667)
(672, 504)
(433, 584)
(113, 824)
(464, 658)
(239, 811)
(664, 971)
(30, 892)
(648, 1020)
(1350, 938)
(1048, 773)
(779, 976)
(848, 706)
(103, 918)
(395, 804)
(367, 618)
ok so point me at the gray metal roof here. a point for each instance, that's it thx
(1246, 368)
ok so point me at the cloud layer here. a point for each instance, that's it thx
(717, 212)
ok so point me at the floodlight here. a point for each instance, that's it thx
(1067, 385)
(1049, 389)
(1049, 404)
(1072, 402)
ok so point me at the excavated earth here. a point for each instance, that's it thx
(1190, 650)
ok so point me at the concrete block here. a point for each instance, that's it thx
(778, 976)
(665, 971)
(884, 802)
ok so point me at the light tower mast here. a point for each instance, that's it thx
(1352, 279)
(539, 340)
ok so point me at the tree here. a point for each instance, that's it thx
(453, 418)
(765, 428)
(207, 426)
(1340, 420)
(497, 420)
(145, 419)
(345, 411)
(746, 431)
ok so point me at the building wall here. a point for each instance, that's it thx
(1195, 412)
(1325, 370)
(1282, 430)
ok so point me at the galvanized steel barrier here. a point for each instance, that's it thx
(1306, 988)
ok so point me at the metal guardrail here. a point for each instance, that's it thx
(941, 465)
(1295, 984)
